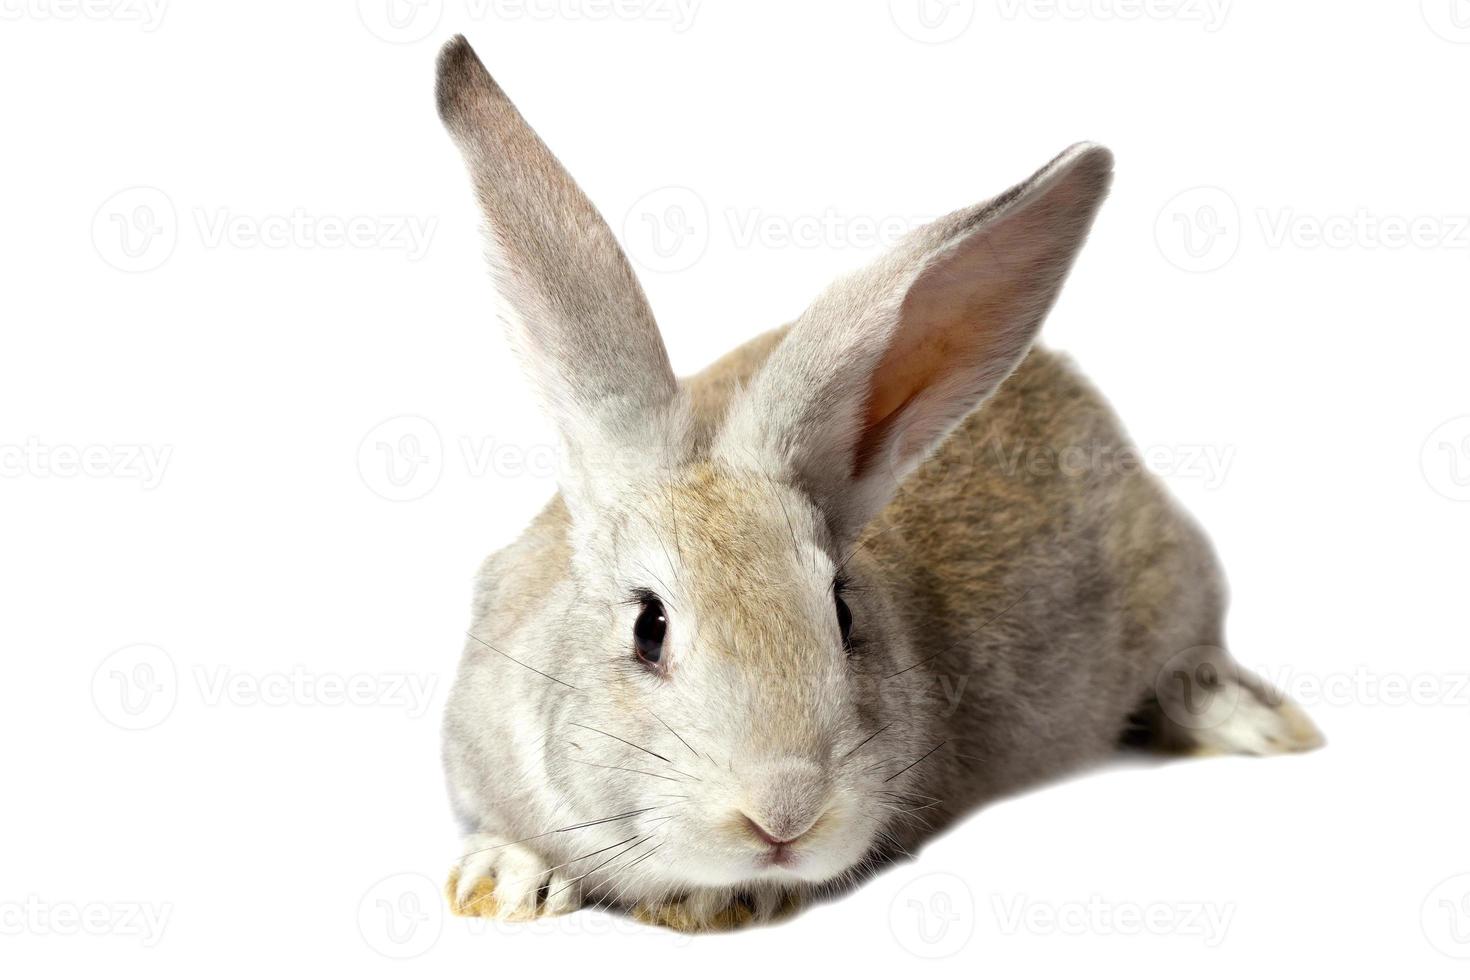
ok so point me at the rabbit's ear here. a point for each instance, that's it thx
(885, 363)
(576, 314)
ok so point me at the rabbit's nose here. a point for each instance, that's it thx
(781, 838)
(785, 800)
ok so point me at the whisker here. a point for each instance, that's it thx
(915, 762)
(630, 880)
(600, 850)
(664, 595)
(599, 867)
(673, 733)
(867, 740)
(640, 860)
(795, 547)
(636, 746)
(905, 810)
(515, 661)
(892, 842)
(881, 763)
(563, 830)
(864, 542)
(913, 665)
(623, 740)
(667, 557)
(674, 520)
(908, 798)
(617, 898)
(644, 772)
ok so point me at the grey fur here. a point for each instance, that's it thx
(1011, 621)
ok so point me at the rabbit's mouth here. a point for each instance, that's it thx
(780, 856)
(817, 853)
(739, 850)
(796, 863)
(785, 853)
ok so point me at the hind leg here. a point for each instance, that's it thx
(1204, 703)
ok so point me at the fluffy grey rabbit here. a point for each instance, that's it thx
(789, 617)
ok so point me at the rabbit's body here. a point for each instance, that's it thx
(789, 617)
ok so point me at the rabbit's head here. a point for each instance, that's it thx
(720, 661)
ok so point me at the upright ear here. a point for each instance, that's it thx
(874, 375)
(576, 314)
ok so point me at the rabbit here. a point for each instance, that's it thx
(789, 618)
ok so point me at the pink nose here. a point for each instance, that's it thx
(787, 833)
(765, 834)
(784, 799)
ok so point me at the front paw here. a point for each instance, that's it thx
(718, 910)
(496, 879)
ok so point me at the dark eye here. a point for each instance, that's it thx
(844, 620)
(648, 632)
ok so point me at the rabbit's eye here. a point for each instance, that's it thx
(648, 632)
(844, 620)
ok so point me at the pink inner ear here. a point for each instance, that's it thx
(952, 342)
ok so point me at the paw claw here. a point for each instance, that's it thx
(497, 880)
(477, 900)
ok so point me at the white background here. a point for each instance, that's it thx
(259, 427)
